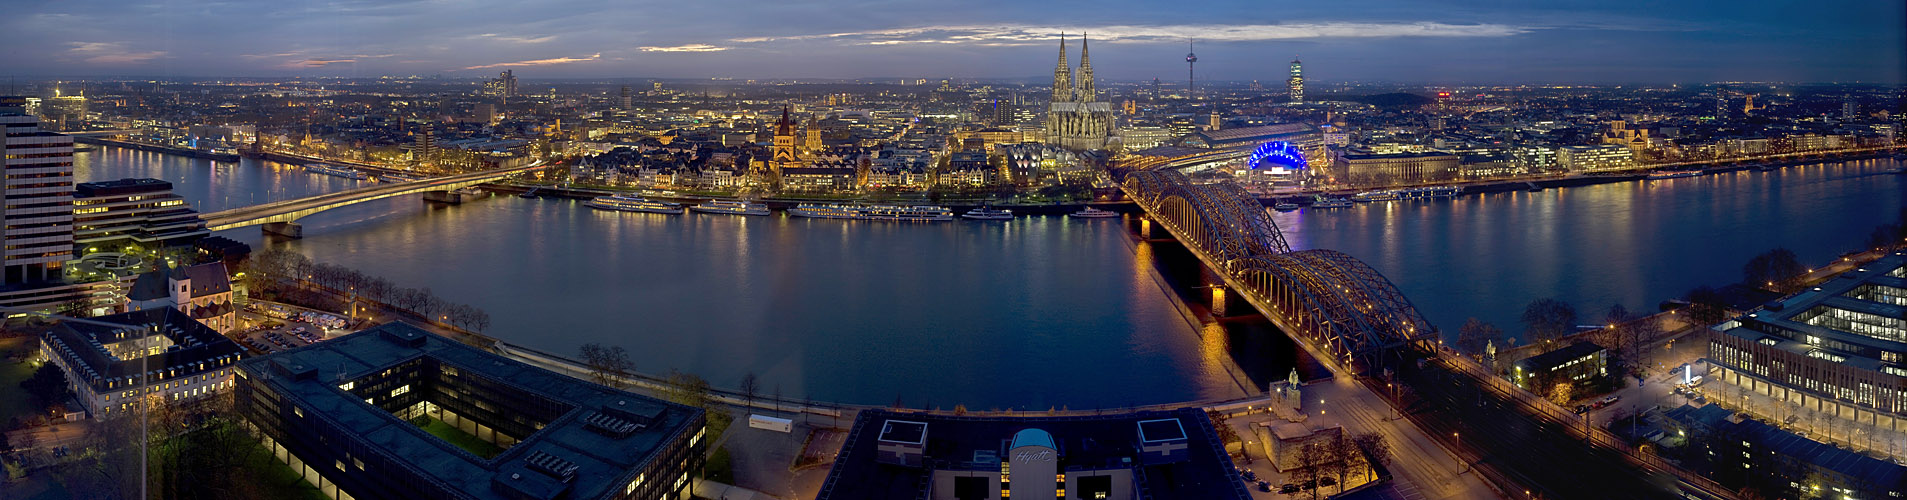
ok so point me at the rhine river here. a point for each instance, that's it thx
(1034, 313)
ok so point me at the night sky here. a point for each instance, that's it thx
(1501, 41)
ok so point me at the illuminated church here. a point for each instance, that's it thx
(1077, 120)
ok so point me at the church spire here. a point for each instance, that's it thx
(1083, 88)
(1062, 75)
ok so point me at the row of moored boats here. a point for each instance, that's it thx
(1420, 193)
(922, 213)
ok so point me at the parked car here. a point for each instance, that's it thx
(1288, 488)
(1609, 400)
(1264, 486)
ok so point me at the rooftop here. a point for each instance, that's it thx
(189, 347)
(1095, 442)
(605, 434)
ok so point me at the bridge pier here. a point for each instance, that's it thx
(284, 229)
(445, 197)
(1150, 230)
(1227, 303)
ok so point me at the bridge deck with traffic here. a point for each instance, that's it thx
(292, 210)
(1357, 322)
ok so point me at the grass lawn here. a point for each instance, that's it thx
(457, 437)
(278, 480)
(14, 402)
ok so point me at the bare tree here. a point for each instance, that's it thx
(1475, 334)
(749, 387)
(1312, 458)
(607, 365)
(1377, 451)
(1343, 457)
(1547, 319)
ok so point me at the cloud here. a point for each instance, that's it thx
(693, 47)
(111, 53)
(317, 63)
(540, 62)
(526, 40)
(1014, 35)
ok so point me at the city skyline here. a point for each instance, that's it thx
(1373, 40)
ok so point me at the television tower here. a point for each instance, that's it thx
(1191, 77)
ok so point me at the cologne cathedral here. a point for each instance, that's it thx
(1077, 120)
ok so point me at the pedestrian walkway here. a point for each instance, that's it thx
(718, 491)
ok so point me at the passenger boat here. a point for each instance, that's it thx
(1369, 196)
(1672, 174)
(401, 177)
(921, 213)
(1421, 193)
(984, 213)
(1093, 213)
(335, 172)
(731, 207)
(1329, 202)
(633, 203)
(1285, 206)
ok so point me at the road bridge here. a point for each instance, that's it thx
(281, 217)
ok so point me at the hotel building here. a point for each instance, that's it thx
(159, 353)
(110, 215)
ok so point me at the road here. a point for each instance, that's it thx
(1502, 440)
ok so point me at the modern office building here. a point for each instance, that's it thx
(1130, 456)
(1835, 349)
(1580, 363)
(1399, 167)
(343, 414)
(37, 219)
(160, 353)
(112, 215)
(1595, 158)
(1296, 83)
(1740, 452)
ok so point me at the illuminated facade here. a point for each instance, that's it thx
(108, 216)
(38, 221)
(1399, 168)
(1076, 119)
(1595, 158)
(1296, 83)
(163, 354)
(1836, 348)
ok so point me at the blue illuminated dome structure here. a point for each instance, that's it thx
(1277, 154)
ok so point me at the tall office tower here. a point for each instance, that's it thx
(1191, 77)
(626, 102)
(1296, 82)
(426, 149)
(1849, 109)
(36, 222)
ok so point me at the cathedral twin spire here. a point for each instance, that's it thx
(1065, 88)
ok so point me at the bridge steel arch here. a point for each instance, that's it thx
(1324, 297)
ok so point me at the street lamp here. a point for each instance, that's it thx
(1464, 466)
